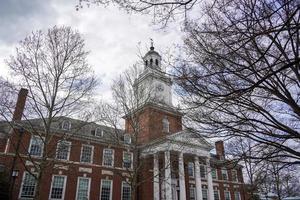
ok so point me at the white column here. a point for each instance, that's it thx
(168, 180)
(181, 177)
(155, 177)
(209, 180)
(198, 179)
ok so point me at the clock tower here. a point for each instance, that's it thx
(156, 115)
(153, 85)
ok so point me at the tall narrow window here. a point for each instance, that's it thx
(224, 174)
(213, 173)
(58, 187)
(127, 159)
(237, 196)
(106, 190)
(166, 124)
(86, 154)
(83, 188)
(191, 169)
(28, 186)
(227, 195)
(63, 150)
(204, 194)
(156, 62)
(203, 171)
(36, 146)
(216, 195)
(192, 193)
(108, 157)
(127, 138)
(126, 191)
(234, 175)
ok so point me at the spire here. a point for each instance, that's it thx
(151, 43)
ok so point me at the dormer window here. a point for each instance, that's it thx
(66, 125)
(127, 139)
(98, 132)
(166, 124)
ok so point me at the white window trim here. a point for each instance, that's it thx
(129, 136)
(227, 178)
(206, 192)
(193, 176)
(205, 171)
(194, 191)
(64, 189)
(70, 145)
(236, 173)
(111, 188)
(42, 149)
(131, 155)
(101, 132)
(92, 154)
(113, 158)
(228, 193)
(70, 125)
(216, 170)
(22, 183)
(89, 187)
(238, 194)
(218, 194)
(122, 189)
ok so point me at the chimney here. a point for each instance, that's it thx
(19, 109)
(220, 149)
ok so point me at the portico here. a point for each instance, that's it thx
(175, 150)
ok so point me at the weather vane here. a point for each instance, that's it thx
(151, 42)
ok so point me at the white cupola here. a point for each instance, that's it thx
(152, 59)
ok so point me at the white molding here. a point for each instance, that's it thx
(131, 160)
(113, 157)
(111, 188)
(22, 183)
(42, 148)
(92, 153)
(64, 188)
(69, 152)
(89, 186)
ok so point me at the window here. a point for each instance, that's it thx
(108, 157)
(127, 139)
(126, 191)
(213, 173)
(58, 187)
(234, 175)
(191, 169)
(216, 195)
(166, 124)
(227, 195)
(63, 150)
(237, 196)
(204, 194)
(224, 174)
(98, 132)
(203, 171)
(106, 190)
(28, 186)
(86, 154)
(127, 159)
(192, 193)
(66, 125)
(156, 62)
(83, 188)
(151, 61)
(36, 146)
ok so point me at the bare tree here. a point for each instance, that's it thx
(240, 76)
(52, 65)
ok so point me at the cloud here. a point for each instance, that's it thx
(112, 36)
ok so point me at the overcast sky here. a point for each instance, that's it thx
(112, 36)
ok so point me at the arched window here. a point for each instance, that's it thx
(156, 62)
(166, 124)
(146, 62)
(151, 61)
(66, 125)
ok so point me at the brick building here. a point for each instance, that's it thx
(88, 163)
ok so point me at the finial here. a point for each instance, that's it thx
(151, 42)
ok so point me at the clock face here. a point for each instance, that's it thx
(160, 87)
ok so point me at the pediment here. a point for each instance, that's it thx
(190, 138)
